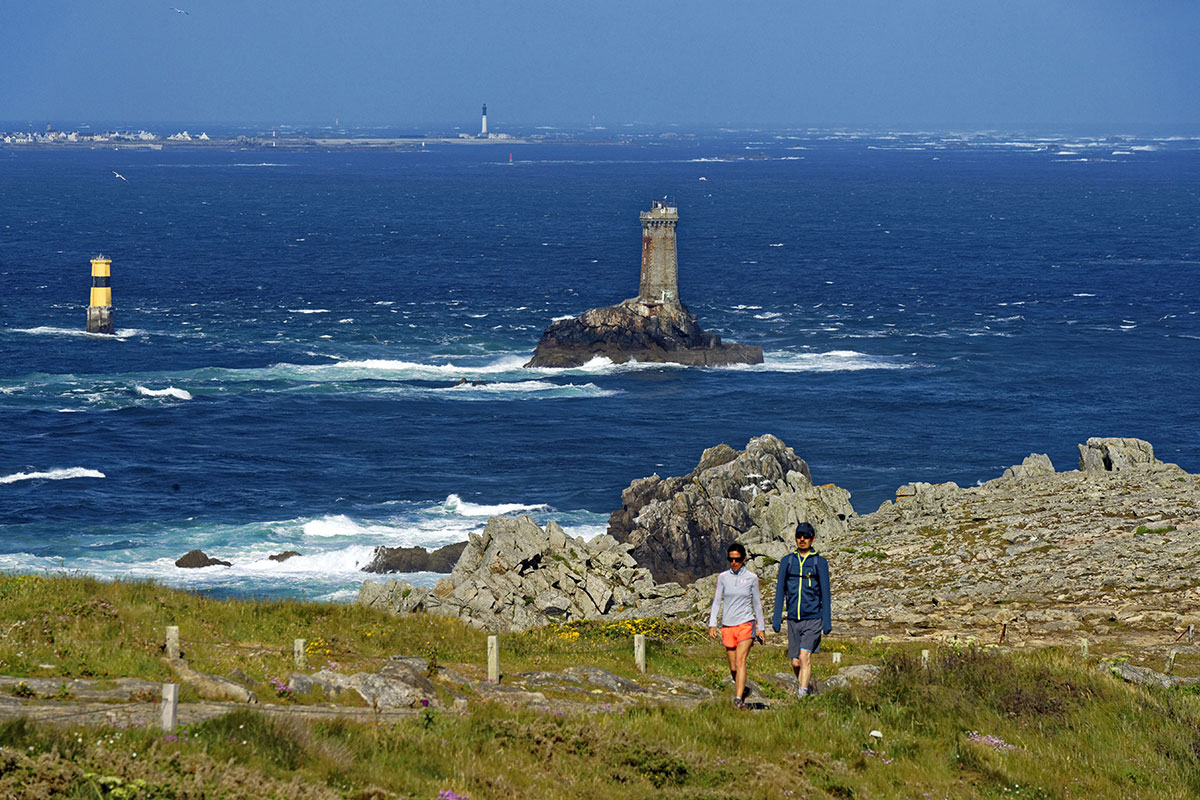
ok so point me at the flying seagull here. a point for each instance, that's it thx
(119, 175)
(180, 11)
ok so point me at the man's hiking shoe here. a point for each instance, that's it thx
(802, 692)
(739, 702)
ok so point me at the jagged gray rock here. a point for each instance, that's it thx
(679, 527)
(1114, 454)
(515, 575)
(1034, 464)
(1034, 555)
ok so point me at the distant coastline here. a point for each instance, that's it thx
(253, 143)
(183, 140)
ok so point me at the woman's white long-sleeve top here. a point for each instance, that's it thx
(738, 591)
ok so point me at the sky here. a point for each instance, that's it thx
(795, 63)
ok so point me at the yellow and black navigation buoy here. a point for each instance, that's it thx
(100, 309)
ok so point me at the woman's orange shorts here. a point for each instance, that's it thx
(737, 633)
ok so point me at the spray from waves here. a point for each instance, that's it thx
(170, 391)
(53, 475)
(46, 330)
(333, 548)
(832, 361)
(456, 505)
(489, 391)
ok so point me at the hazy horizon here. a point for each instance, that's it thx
(933, 65)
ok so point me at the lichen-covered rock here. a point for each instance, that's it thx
(515, 575)
(1034, 464)
(1113, 454)
(679, 527)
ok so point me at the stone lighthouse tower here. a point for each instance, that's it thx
(660, 268)
(100, 307)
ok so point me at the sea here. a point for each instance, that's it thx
(293, 327)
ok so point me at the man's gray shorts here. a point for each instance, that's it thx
(803, 634)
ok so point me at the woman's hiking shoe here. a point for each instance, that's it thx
(802, 692)
(739, 702)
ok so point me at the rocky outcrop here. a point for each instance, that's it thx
(212, 687)
(515, 575)
(1115, 454)
(284, 556)
(414, 559)
(1034, 555)
(634, 330)
(398, 684)
(679, 527)
(197, 558)
(1031, 556)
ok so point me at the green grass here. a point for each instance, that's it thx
(1143, 530)
(979, 723)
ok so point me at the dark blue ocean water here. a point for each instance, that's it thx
(291, 326)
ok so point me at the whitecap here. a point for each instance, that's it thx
(1083, 294)
(47, 330)
(309, 310)
(456, 505)
(53, 475)
(170, 391)
(831, 361)
(768, 315)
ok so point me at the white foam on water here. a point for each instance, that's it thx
(53, 475)
(170, 391)
(340, 525)
(1083, 294)
(831, 361)
(776, 244)
(308, 310)
(456, 505)
(46, 330)
(564, 316)
(768, 315)
(532, 388)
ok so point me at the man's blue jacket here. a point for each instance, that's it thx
(804, 585)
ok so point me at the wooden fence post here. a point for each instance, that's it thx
(493, 659)
(170, 706)
(1191, 634)
(172, 641)
(298, 654)
(925, 660)
(1171, 661)
(837, 658)
(1083, 647)
(639, 651)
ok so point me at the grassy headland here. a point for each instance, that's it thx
(979, 723)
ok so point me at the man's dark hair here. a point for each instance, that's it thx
(736, 547)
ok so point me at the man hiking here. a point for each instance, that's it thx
(803, 588)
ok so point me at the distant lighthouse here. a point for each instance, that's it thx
(100, 307)
(483, 128)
